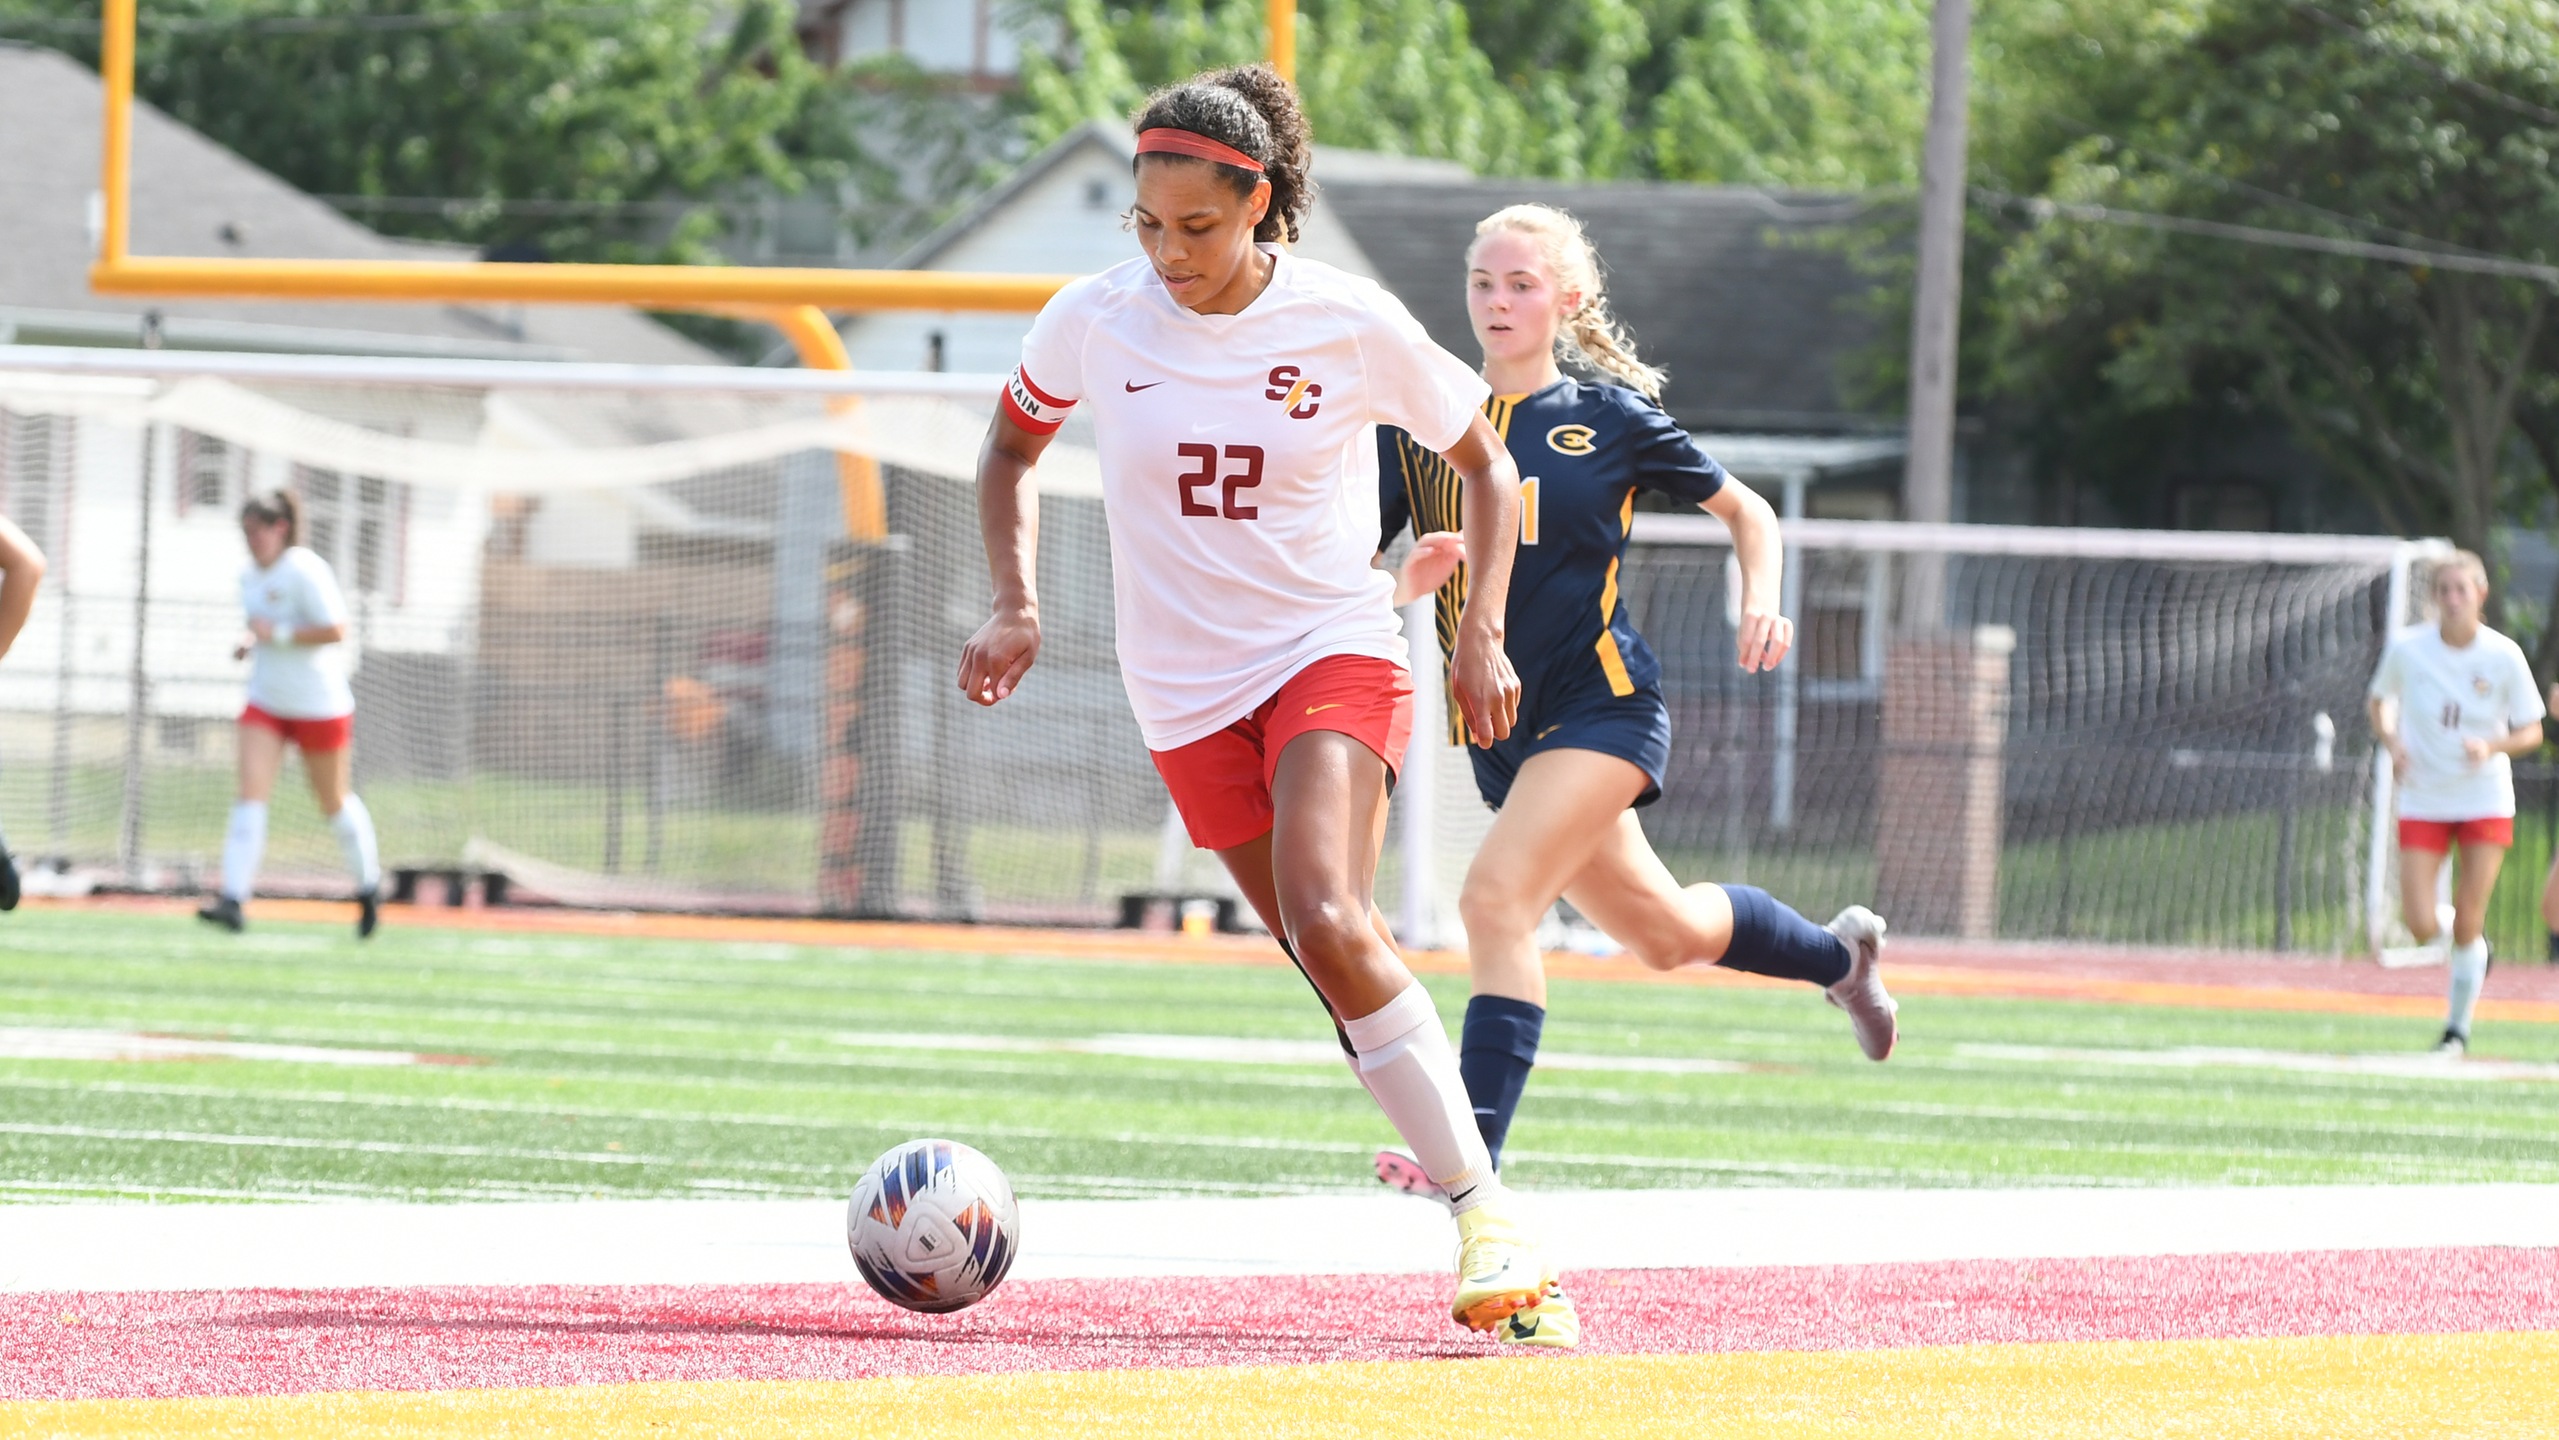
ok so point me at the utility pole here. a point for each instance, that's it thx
(1928, 487)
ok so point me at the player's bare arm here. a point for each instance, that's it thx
(21, 570)
(2385, 731)
(1427, 566)
(1765, 635)
(1008, 519)
(1487, 687)
(2521, 740)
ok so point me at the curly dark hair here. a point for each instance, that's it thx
(1252, 109)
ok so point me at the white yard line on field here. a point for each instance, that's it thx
(2426, 1066)
(21, 1042)
(335, 1244)
(1239, 1050)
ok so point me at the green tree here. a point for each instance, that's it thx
(1815, 94)
(2431, 124)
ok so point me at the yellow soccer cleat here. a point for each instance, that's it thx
(1551, 1322)
(1499, 1270)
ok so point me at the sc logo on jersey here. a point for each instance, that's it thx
(1296, 394)
(1570, 440)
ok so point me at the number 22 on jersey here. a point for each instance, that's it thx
(1204, 460)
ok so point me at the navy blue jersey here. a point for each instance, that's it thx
(1583, 450)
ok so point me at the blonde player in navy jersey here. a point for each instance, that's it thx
(298, 696)
(21, 570)
(1593, 736)
(1234, 390)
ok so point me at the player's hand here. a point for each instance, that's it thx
(261, 631)
(1764, 639)
(993, 661)
(2398, 759)
(2476, 750)
(1486, 685)
(240, 651)
(1433, 559)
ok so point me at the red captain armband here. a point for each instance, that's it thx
(1026, 405)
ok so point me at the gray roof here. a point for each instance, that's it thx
(190, 197)
(1730, 288)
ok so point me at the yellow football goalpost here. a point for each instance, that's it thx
(794, 299)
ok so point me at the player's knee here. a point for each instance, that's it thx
(1490, 906)
(1329, 932)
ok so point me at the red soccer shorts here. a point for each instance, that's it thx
(1222, 783)
(334, 733)
(2440, 836)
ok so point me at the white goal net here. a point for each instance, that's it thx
(687, 638)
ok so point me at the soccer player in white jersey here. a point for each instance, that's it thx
(21, 570)
(1234, 389)
(299, 696)
(2452, 701)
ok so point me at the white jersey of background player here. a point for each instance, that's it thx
(2452, 701)
(298, 696)
(21, 569)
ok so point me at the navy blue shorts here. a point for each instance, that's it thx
(1634, 728)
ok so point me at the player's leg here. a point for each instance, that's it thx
(2481, 859)
(1328, 795)
(8, 875)
(244, 839)
(1627, 892)
(1560, 806)
(332, 772)
(2420, 872)
(2550, 906)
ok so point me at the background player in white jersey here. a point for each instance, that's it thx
(299, 696)
(1234, 390)
(21, 570)
(2452, 701)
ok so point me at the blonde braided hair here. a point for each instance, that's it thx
(1590, 337)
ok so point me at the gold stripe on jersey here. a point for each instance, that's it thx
(1436, 493)
(1619, 682)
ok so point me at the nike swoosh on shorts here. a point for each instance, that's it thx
(1311, 709)
(1134, 387)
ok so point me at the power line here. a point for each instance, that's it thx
(2515, 104)
(2499, 265)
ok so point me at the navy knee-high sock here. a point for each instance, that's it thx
(1769, 938)
(1494, 1057)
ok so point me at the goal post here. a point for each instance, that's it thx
(2110, 735)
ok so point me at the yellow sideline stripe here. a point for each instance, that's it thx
(2388, 1385)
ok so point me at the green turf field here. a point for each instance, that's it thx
(635, 1068)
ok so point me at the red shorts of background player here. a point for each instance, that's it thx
(2440, 836)
(1222, 783)
(333, 733)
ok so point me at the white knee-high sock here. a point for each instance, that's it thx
(353, 825)
(2469, 969)
(244, 844)
(1405, 1061)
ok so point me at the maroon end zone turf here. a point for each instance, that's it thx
(275, 1342)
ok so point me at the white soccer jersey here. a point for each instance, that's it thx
(1239, 472)
(289, 681)
(2446, 696)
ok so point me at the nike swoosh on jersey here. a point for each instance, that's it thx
(1549, 730)
(1311, 709)
(1134, 387)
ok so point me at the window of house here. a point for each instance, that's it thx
(212, 472)
(36, 456)
(359, 525)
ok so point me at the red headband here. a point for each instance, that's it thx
(1198, 147)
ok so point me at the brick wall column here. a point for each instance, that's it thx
(1938, 804)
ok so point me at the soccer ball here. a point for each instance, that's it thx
(933, 1226)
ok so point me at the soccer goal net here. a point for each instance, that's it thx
(688, 638)
(1992, 731)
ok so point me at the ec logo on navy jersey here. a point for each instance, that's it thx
(1570, 440)
(1296, 394)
